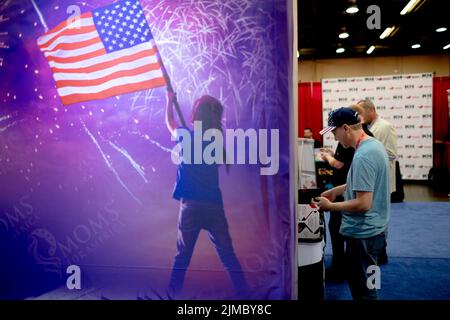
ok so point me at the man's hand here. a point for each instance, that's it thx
(323, 203)
(326, 150)
(330, 194)
(323, 156)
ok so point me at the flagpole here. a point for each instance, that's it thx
(41, 17)
(170, 89)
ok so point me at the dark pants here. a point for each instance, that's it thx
(359, 255)
(193, 217)
(382, 257)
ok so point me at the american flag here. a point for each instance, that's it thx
(107, 52)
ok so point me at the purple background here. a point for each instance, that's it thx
(91, 183)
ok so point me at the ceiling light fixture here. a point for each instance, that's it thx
(387, 32)
(352, 9)
(409, 7)
(447, 46)
(340, 50)
(370, 50)
(343, 35)
(415, 46)
(442, 29)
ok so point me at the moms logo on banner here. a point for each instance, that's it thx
(404, 100)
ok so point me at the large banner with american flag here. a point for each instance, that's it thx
(103, 53)
(86, 171)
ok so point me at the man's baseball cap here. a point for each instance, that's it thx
(339, 117)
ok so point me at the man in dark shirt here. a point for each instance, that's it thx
(340, 161)
(308, 134)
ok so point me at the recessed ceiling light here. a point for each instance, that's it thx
(415, 46)
(343, 35)
(442, 29)
(387, 32)
(447, 46)
(370, 50)
(409, 7)
(352, 9)
(340, 50)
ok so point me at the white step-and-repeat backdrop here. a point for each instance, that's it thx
(404, 100)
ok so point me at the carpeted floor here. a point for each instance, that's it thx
(419, 255)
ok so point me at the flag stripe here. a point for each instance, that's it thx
(108, 64)
(149, 60)
(98, 53)
(105, 58)
(69, 32)
(326, 130)
(115, 91)
(115, 75)
(72, 39)
(74, 45)
(84, 20)
(110, 84)
(75, 52)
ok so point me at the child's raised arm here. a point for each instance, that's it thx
(171, 123)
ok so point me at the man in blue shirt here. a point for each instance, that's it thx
(366, 209)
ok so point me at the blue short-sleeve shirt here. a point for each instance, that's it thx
(369, 172)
